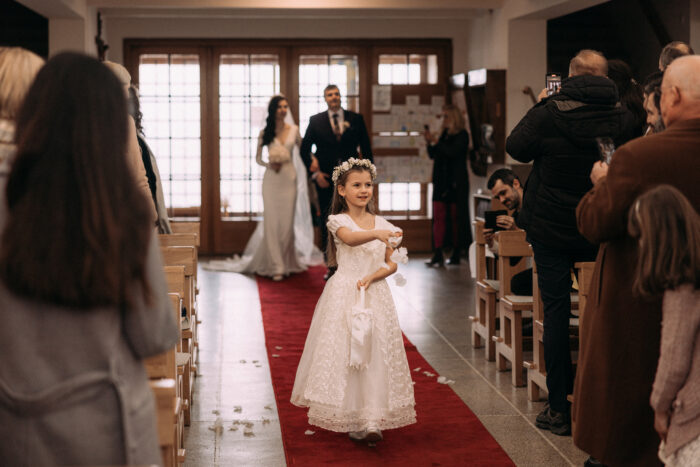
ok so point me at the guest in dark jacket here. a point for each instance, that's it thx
(450, 186)
(559, 135)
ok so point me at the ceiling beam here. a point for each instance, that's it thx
(302, 4)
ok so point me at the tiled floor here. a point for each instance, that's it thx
(433, 313)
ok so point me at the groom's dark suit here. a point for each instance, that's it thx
(330, 152)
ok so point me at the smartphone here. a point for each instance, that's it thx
(552, 83)
(490, 219)
(606, 147)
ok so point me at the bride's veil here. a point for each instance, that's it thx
(309, 254)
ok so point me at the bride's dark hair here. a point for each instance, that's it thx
(271, 122)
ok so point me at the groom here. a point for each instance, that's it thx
(337, 133)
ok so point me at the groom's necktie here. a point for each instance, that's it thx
(336, 127)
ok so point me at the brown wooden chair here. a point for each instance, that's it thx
(510, 342)
(168, 411)
(536, 373)
(175, 277)
(484, 321)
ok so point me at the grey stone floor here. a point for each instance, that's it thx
(433, 310)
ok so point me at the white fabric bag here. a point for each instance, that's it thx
(360, 324)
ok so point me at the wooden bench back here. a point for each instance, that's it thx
(480, 250)
(186, 228)
(511, 243)
(585, 276)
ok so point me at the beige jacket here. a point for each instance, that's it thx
(677, 381)
(135, 162)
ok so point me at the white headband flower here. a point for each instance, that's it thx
(349, 164)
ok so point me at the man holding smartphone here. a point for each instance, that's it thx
(559, 136)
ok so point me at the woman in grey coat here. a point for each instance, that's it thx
(83, 299)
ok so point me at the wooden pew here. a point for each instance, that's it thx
(168, 410)
(512, 309)
(484, 321)
(186, 228)
(187, 257)
(175, 276)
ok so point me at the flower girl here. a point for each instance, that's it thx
(353, 375)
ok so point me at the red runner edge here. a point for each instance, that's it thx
(447, 432)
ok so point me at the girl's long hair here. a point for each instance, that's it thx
(271, 121)
(339, 205)
(78, 228)
(668, 229)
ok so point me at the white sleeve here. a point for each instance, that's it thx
(336, 221)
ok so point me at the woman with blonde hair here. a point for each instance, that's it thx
(18, 67)
(450, 186)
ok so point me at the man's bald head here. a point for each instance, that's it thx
(680, 90)
(588, 62)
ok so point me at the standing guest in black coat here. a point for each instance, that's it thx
(559, 135)
(450, 186)
(337, 135)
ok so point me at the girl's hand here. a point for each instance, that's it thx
(365, 282)
(276, 166)
(661, 421)
(385, 235)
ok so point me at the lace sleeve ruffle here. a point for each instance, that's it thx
(336, 221)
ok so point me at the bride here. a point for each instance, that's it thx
(283, 242)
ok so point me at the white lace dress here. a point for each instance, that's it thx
(341, 398)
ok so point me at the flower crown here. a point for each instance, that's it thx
(349, 164)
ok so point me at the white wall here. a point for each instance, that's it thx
(119, 28)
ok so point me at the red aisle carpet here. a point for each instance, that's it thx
(447, 432)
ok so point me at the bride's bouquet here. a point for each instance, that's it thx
(278, 154)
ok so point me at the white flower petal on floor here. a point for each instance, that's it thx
(416, 369)
(237, 409)
(277, 347)
(309, 432)
(274, 355)
(218, 426)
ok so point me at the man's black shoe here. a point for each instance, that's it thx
(558, 423)
(593, 462)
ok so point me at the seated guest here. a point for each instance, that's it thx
(150, 164)
(506, 187)
(668, 230)
(82, 290)
(672, 51)
(652, 103)
(18, 67)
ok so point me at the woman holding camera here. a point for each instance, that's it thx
(450, 186)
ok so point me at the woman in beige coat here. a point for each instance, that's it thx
(668, 230)
(82, 293)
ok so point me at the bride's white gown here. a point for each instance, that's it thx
(341, 398)
(283, 242)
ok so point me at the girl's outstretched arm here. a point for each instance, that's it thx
(381, 273)
(358, 238)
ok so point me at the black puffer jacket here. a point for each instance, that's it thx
(558, 134)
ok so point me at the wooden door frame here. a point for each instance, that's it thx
(223, 237)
